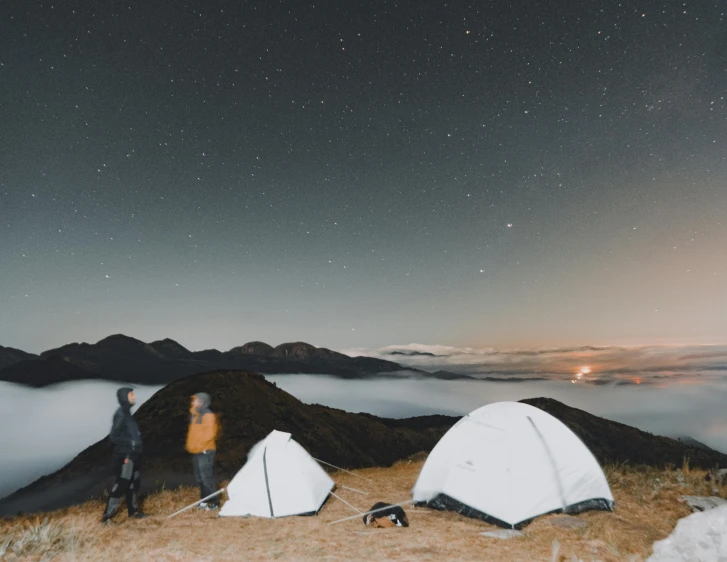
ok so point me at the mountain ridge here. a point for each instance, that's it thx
(9, 356)
(122, 358)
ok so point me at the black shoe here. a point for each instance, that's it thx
(207, 507)
(106, 518)
(138, 515)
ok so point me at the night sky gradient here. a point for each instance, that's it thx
(500, 174)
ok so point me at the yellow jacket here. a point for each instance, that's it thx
(201, 433)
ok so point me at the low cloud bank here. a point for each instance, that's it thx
(45, 428)
(647, 364)
(694, 410)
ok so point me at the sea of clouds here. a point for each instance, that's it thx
(625, 365)
(43, 429)
(674, 391)
(693, 408)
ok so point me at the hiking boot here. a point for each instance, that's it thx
(107, 517)
(138, 515)
(208, 507)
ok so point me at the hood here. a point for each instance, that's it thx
(205, 400)
(122, 395)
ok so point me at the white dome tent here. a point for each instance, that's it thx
(279, 479)
(509, 462)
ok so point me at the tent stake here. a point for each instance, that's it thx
(343, 469)
(372, 511)
(197, 502)
(348, 504)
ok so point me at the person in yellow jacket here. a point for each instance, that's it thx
(201, 445)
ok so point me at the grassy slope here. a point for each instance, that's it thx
(647, 508)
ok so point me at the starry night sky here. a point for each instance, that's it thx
(489, 174)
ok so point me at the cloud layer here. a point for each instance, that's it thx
(52, 425)
(636, 365)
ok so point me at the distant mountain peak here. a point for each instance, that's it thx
(169, 347)
(168, 341)
(297, 350)
(253, 348)
(10, 356)
(119, 338)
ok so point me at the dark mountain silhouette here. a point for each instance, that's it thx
(170, 349)
(122, 358)
(10, 356)
(249, 408)
(691, 441)
(413, 353)
(302, 350)
(613, 442)
(55, 369)
(448, 375)
(253, 348)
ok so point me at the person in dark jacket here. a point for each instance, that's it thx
(126, 458)
(201, 445)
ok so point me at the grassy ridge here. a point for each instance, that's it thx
(647, 508)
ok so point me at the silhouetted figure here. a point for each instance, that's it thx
(126, 439)
(201, 444)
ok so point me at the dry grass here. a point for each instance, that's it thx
(647, 508)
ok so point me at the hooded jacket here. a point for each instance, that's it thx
(125, 434)
(202, 427)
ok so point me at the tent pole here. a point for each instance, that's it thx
(343, 469)
(197, 502)
(372, 511)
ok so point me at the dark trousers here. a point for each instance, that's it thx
(203, 465)
(127, 469)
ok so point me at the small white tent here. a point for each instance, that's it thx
(279, 479)
(509, 462)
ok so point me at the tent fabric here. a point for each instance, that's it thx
(509, 462)
(279, 479)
